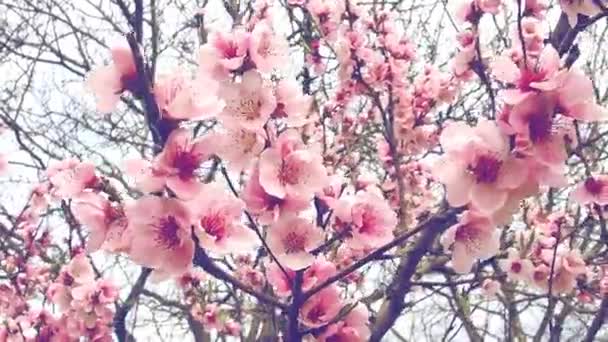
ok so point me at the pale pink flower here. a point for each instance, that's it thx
(322, 307)
(268, 50)
(280, 282)
(368, 218)
(593, 190)
(232, 328)
(473, 237)
(266, 207)
(353, 328)
(218, 226)
(289, 168)
(490, 288)
(572, 8)
(575, 97)
(527, 80)
(183, 99)
(291, 239)
(105, 221)
(293, 106)
(80, 269)
(180, 158)
(477, 166)
(237, 146)
(147, 178)
(211, 316)
(70, 177)
(224, 52)
(489, 6)
(108, 82)
(516, 267)
(249, 103)
(319, 271)
(161, 234)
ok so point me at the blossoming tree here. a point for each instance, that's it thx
(303, 170)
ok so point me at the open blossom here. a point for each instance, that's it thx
(161, 234)
(217, 217)
(224, 52)
(527, 79)
(473, 237)
(568, 265)
(516, 267)
(368, 219)
(249, 102)
(180, 158)
(267, 207)
(237, 146)
(268, 50)
(105, 220)
(108, 82)
(292, 105)
(181, 98)
(289, 168)
(593, 190)
(477, 166)
(321, 307)
(490, 287)
(352, 328)
(292, 239)
(70, 177)
(320, 270)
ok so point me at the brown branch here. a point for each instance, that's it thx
(598, 321)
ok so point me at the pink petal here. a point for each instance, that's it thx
(505, 70)
(487, 198)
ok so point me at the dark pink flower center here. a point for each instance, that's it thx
(289, 173)
(516, 267)
(486, 169)
(530, 76)
(539, 126)
(466, 234)
(113, 213)
(214, 225)
(315, 314)
(168, 229)
(369, 220)
(593, 186)
(186, 163)
(294, 242)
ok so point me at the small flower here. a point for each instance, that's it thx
(322, 307)
(593, 190)
(292, 239)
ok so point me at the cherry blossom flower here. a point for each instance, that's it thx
(184, 99)
(322, 307)
(489, 6)
(292, 239)
(490, 288)
(108, 82)
(105, 220)
(368, 219)
(267, 50)
(516, 267)
(353, 328)
(319, 271)
(224, 52)
(147, 177)
(292, 106)
(70, 177)
(267, 207)
(237, 146)
(249, 103)
(593, 190)
(217, 217)
(473, 237)
(179, 160)
(161, 234)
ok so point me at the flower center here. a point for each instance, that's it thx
(539, 126)
(529, 76)
(469, 236)
(214, 225)
(486, 169)
(167, 232)
(593, 186)
(289, 173)
(294, 242)
(186, 163)
(249, 108)
(516, 267)
(315, 314)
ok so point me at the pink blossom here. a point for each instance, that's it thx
(237, 146)
(70, 177)
(108, 82)
(292, 239)
(161, 234)
(217, 217)
(516, 267)
(267, 50)
(267, 207)
(289, 168)
(147, 178)
(293, 107)
(490, 287)
(319, 271)
(593, 190)
(80, 269)
(489, 6)
(278, 280)
(249, 103)
(473, 237)
(105, 220)
(322, 307)
(368, 218)
(180, 158)
(232, 328)
(182, 98)
(224, 52)
(353, 328)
